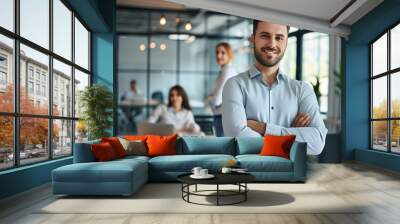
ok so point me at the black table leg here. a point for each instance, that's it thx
(196, 188)
(217, 194)
(245, 193)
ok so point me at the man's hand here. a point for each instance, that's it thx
(302, 120)
(257, 126)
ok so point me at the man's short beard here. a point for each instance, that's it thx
(264, 62)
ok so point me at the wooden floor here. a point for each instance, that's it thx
(378, 188)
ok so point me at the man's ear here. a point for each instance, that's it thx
(252, 38)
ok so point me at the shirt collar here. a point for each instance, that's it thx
(253, 72)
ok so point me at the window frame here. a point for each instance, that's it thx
(16, 115)
(388, 74)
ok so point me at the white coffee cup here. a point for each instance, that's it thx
(226, 170)
(203, 172)
(196, 171)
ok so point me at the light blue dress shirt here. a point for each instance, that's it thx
(248, 97)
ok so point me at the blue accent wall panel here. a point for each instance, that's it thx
(103, 58)
(376, 158)
(24, 178)
(356, 100)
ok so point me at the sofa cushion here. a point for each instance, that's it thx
(257, 163)
(161, 145)
(103, 152)
(185, 163)
(83, 152)
(134, 147)
(116, 145)
(277, 145)
(206, 145)
(112, 171)
(249, 145)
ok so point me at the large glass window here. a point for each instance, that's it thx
(288, 63)
(39, 61)
(35, 21)
(62, 29)
(6, 74)
(7, 14)
(44, 111)
(316, 65)
(6, 142)
(81, 45)
(385, 96)
(62, 89)
(81, 82)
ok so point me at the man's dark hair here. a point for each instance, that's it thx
(255, 23)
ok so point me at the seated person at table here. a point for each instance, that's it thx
(130, 98)
(178, 113)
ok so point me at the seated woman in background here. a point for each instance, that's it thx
(178, 113)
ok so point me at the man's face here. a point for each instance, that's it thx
(270, 41)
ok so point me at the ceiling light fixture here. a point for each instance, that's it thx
(163, 47)
(153, 45)
(163, 20)
(142, 47)
(188, 26)
(178, 36)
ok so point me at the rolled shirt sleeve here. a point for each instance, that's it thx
(234, 120)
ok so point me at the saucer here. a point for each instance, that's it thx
(208, 176)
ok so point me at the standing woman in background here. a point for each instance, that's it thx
(224, 56)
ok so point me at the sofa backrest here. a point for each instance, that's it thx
(206, 145)
(83, 153)
(249, 145)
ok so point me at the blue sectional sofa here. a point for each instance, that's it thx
(125, 176)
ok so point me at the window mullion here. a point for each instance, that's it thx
(50, 81)
(16, 84)
(73, 82)
(389, 113)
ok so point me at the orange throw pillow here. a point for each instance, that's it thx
(116, 145)
(136, 137)
(103, 152)
(161, 145)
(277, 145)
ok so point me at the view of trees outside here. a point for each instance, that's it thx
(33, 117)
(33, 131)
(380, 138)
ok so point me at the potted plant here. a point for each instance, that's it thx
(96, 102)
(316, 88)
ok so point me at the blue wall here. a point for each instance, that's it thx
(24, 178)
(100, 17)
(356, 100)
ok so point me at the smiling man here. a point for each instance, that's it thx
(264, 101)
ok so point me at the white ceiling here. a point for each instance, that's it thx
(317, 15)
(321, 9)
(157, 4)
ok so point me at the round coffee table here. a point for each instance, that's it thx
(238, 179)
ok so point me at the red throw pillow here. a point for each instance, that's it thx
(277, 145)
(103, 152)
(116, 145)
(161, 145)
